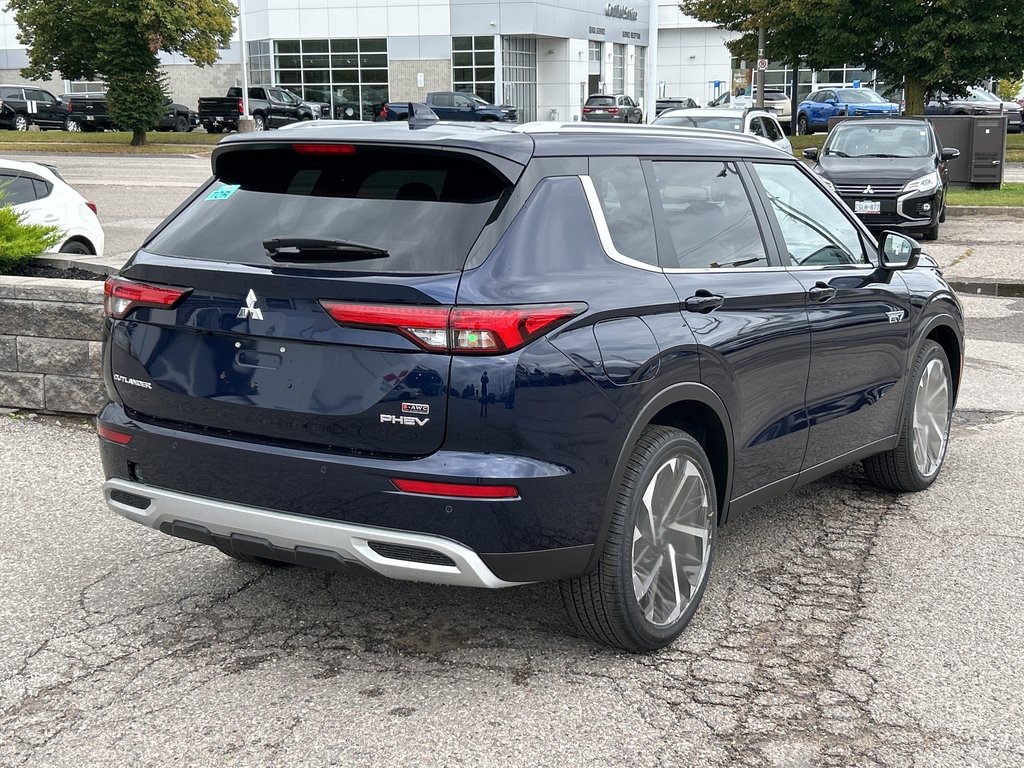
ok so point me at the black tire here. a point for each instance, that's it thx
(932, 233)
(258, 123)
(76, 247)
(942, 215)
(803, 128)
(181, 124)
(215, 129)
(604, 605)
(898, 469)
(21, 122)
(73, 126)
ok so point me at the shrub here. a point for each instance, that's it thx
(20, 242)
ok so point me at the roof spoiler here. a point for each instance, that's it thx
(421, 116)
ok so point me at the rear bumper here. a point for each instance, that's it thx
(304, 540)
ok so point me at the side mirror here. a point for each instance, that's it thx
(811, 153)
(950, 153)
(898, 251)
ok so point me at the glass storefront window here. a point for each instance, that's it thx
(595, 51)
(473, 66)
(349, 74)
(618, 68)
(640, 72)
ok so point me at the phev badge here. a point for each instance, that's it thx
(250, 310)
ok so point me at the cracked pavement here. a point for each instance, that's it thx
(842, 627)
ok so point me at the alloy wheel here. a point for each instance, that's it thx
(671, 540)
(931, 418)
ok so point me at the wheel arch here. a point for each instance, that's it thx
(940, 329)
(696, 409)
(83, 240)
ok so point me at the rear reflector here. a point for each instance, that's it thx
(324, 149)
(91, 206)
(121, 296)
(459, 330)
(121, 438)
(456, 490)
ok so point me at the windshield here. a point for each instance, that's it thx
(860, 96)
(478, 100)
(980, 94)
(724, 123)
(850, 140)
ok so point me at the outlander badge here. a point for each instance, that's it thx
(250, 310)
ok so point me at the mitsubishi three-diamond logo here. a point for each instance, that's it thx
(868, 190)
(250, 310)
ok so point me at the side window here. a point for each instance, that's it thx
(444, 100)
(816, 231)
(622, 191)
(463, 101)
(710, 219)
(42, 188)
(16, 189)
(757, 126)
(771, 129)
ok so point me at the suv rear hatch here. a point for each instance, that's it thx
(304, 295)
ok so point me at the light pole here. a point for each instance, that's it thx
(245, 122)
(651, 83)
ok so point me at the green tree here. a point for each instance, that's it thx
(925, 46)
(1010, 88)
(19, 242)
(119, 42)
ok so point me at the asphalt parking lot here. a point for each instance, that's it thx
(842, 627)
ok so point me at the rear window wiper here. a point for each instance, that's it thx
(317, 249)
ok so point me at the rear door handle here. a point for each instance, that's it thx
(821, 292)
(703, 301)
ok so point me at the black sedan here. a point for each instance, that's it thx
(892, 173)
(977, 101)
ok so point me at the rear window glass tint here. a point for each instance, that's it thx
(601, 101)
(426, 209)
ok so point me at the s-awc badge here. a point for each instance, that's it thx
(419, 408)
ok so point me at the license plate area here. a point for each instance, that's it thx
(867, 206)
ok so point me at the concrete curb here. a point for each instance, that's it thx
(988, 287)
(991, 211)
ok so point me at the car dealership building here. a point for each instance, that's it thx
(542, 56)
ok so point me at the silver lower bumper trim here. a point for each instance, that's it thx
(348, 541)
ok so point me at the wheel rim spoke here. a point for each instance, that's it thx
(930, 426)
(671, 540)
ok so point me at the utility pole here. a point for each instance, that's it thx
(245, 122)
(760, 68)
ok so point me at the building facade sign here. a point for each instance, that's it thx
(617, 11)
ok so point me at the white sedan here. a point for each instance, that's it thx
(43, 197)
(756, 122)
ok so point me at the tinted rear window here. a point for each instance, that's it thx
(601, 101)
(425, 209)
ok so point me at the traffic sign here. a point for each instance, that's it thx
(762, 64)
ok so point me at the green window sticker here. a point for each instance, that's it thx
(223, 193)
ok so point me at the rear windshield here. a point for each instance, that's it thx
(725, 122)
(425, 209)
(600, 101)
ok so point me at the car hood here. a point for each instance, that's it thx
(875, 170)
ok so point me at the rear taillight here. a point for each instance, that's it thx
(459, 330)
(121, 296)
(324, 149)
(91, 206)
(587, 110)
(121, 438)
(613, 110)
(456, 490)
(241, 108)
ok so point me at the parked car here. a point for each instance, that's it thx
(892, 173)
(89, 112)
(268, 107)
(756, 122)
(678, 102)
(39, 193)
(977, 101)
(483, 357)
(452, 105)
(22, 106)
(611, 109)
(814, 111)
(774, 99)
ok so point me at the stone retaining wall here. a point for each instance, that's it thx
(50, 355)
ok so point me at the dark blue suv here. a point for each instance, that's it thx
(479, 356)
